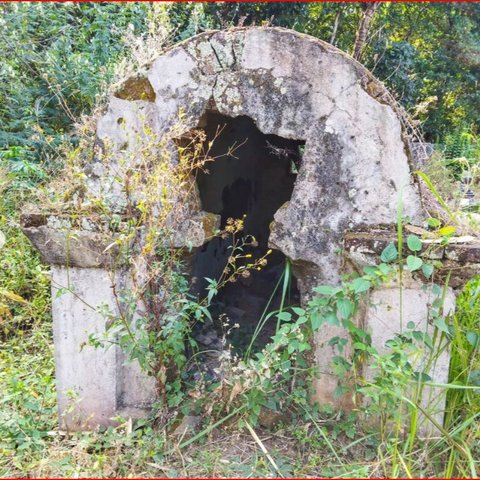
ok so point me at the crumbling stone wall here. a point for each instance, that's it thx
(354, 170)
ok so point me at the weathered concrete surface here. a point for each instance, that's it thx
(389, 312)
(61, 243)
(293, 86)
(355, 162)
(75, 248)
(354, 166)
(90, 381)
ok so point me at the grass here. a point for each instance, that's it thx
(27, 403)
(27, 389)
(463, 405)
(316, 444)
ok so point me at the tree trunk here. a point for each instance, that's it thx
(369, 10)
(335, 27)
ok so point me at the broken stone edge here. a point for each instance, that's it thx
(460, 258)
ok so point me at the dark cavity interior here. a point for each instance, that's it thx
(252, 176)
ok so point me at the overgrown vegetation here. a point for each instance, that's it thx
(260, 422)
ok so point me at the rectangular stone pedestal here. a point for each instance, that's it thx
(387, 315)
(94, 385)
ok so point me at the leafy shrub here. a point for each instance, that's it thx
(463, 404)
(24, 281)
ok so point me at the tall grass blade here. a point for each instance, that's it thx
(263, 448)
(286, 286)
(431, 187)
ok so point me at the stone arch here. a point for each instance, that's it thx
(356, 158)
(355, 168)
(355, 164)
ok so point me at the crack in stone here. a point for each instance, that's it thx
(197, 63)
(234, 55)
(216, 56)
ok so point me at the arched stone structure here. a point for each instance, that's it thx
(354, 170)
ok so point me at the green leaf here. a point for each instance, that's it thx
(447, 231)
(414, 263)
(370, 270)
(285, 316)
(433, 222)
(360, 285)
(331, 319)
(421, 376)
(441, 325)
(427, 269)
(410, 325)
(292, 346)
(427, 341)
(304, 346)
(323, 289)
(437, 290)
(384, 269)
(316, 320)
(207, 313)
(414, 243)
(472, 338)
(327, 290)
(301, 320)
(425, 178)
(334, 341)
(344, 308)
(389, 253)
(340, 390)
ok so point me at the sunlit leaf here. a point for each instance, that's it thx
(12, 296)
(390, 253)
(433, 222)
(360, 285)
(414, 243)
(414, 263)
(447, 231)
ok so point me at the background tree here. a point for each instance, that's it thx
(369, 10)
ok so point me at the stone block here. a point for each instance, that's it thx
(93, 384)
(389, 312)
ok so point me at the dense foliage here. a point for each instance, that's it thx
(56, 58)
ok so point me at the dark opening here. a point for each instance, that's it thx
(253, 175)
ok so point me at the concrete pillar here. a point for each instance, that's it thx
(94, 385)
(387, 316)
